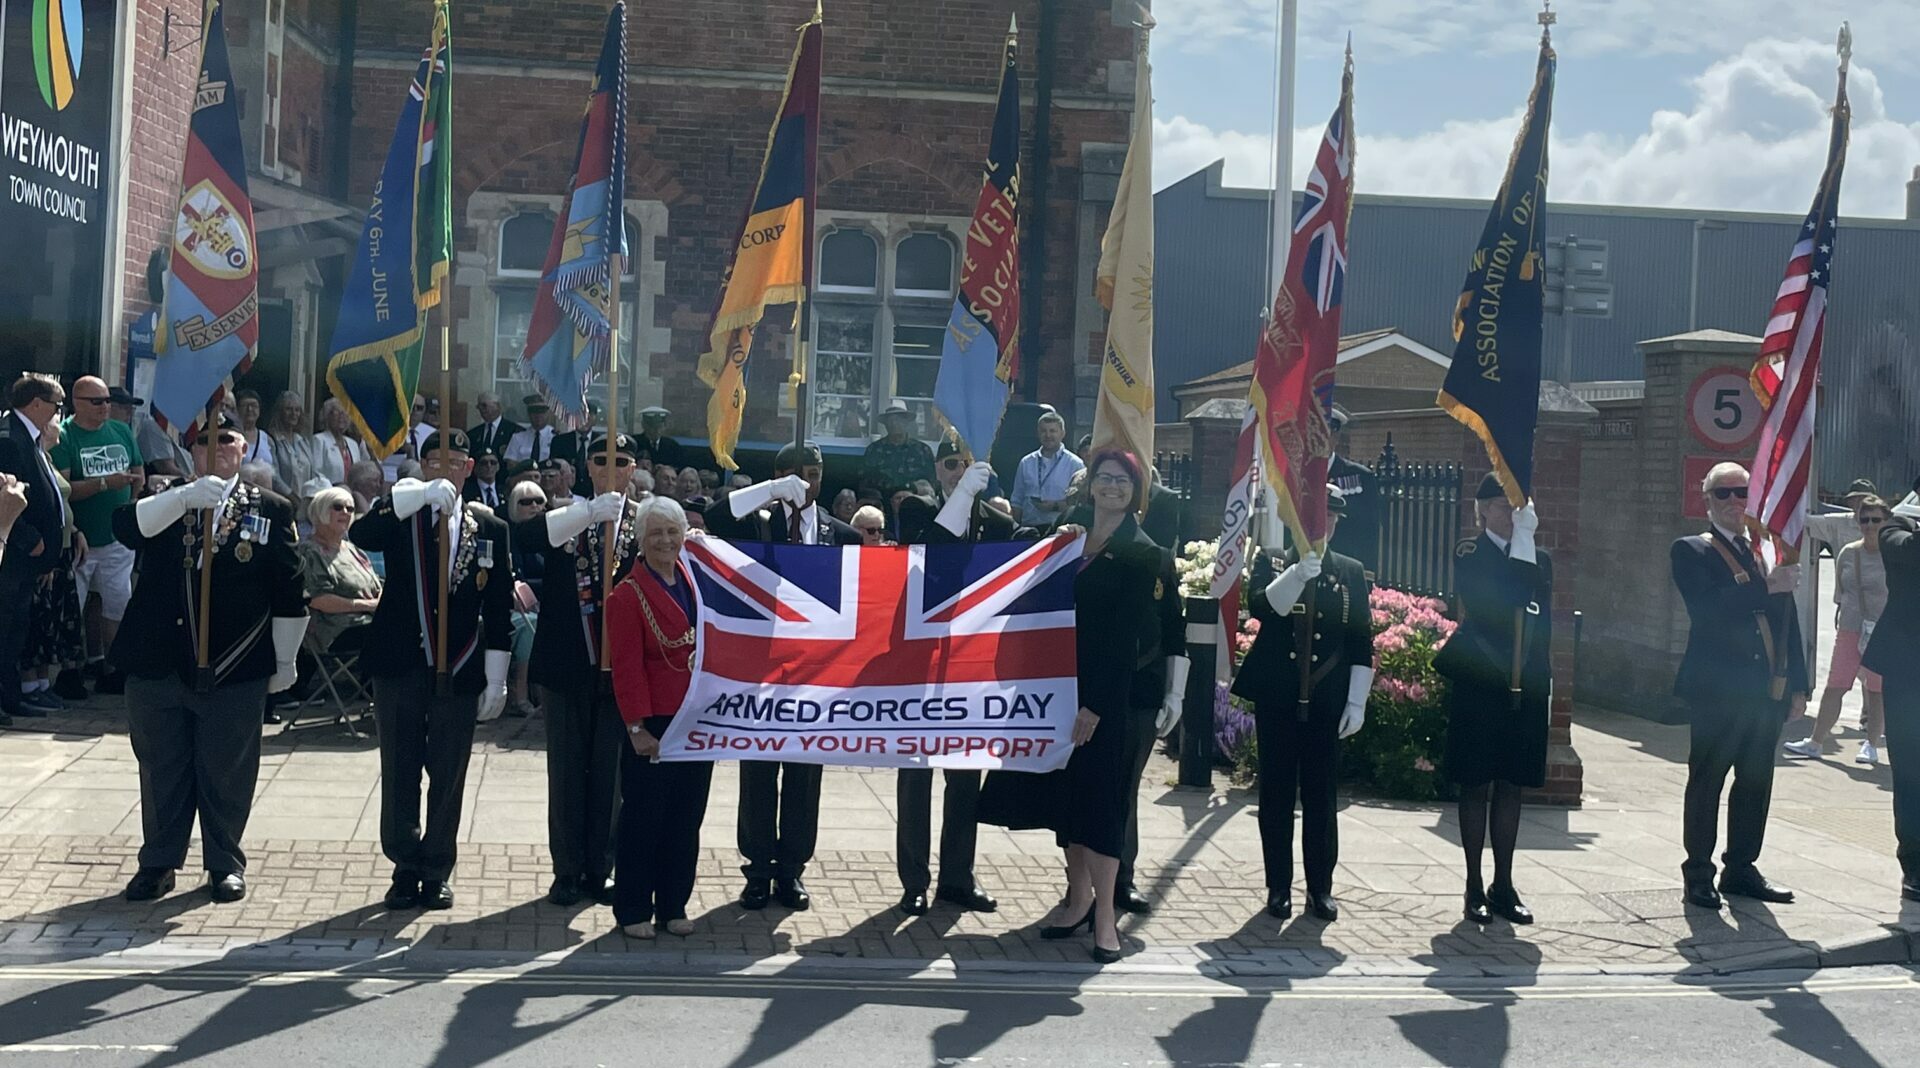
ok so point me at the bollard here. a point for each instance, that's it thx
(1196, 716)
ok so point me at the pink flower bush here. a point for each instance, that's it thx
(1398, 751)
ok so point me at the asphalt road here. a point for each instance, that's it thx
(379, 1015)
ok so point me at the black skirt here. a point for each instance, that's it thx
(1084, 803)
(1489, 741)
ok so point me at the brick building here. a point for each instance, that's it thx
(908, 99)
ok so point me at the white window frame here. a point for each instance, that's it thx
(890, 304)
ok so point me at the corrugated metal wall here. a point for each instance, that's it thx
(1407, 256)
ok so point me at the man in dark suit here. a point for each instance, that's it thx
(779, 803)
(494, 431)
(1299, 740)
(1891, 653)
(35, 400)
(1742, 667)
(1360, 527)
(196, 731)
(652, 442)
(425, 727)
(486, 486)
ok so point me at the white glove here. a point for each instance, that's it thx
(955, 514)
(1284, 592)
(1359, 683)
(1170, 708)
(608, 507)
(1526, 522)
(493, 699)
(287, 635)
(1784, 579)
(410, 495)
(564, 524)
(162, 510)
(792, 489)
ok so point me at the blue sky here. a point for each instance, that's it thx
(1713, 104)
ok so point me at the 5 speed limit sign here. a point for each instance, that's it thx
(1721, 408)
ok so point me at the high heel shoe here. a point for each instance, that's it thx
(1056, 933)
(1476, 908)
(1103, 955)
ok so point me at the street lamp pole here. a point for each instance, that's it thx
(1693, 272)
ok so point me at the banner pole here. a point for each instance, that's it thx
(610, 543)
(203, 671)
(441, 678)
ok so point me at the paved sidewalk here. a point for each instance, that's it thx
(1603, 879)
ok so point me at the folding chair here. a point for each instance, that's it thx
(335, 681)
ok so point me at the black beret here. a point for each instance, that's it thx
(455, 440)
(1490, 488)
(221, 421)
(621, 444)
(795, 457)
(948, 447)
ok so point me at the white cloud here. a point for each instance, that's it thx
(1887, 32)
(1754, 139)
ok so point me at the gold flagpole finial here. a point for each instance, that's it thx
(1845, 47)
(1546, 18)
(1146, 18)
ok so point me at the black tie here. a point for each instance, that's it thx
(793, 525)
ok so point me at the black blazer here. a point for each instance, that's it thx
(479, 437)
(1358, 535)
(1491, 585)
(471, 492)
(770, 524)
(160, 634)
(566, 644)
(665, 450)
(1127, 607)
(40, 523)
(479, 609)
(1896, 637)
(1726, 660)
(1342, 638)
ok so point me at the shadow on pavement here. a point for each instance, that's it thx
(1224, 1031)
(1481, 1036)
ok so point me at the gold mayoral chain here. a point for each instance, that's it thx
(682, 642)
(242, 504)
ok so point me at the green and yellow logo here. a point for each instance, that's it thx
(59, 33)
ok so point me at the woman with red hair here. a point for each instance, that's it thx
(650, 622)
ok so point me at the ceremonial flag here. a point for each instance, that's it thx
(1788, 368)
(570, 333)
(773, 255)
(953, 656)
(1493, 387)
(1123, 414)
(210, 318)
(1293, 366)
(1230, 555)
(406, 248)
(981, 353)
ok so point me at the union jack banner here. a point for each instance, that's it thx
(947, 656)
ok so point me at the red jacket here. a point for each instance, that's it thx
(649, 678)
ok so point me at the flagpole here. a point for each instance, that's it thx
(610, 543)
(441, 678)
(203, 671)
(803, 319)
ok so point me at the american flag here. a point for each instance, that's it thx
(1788, 368)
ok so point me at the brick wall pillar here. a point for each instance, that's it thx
(1556, 489)
(1216, 429)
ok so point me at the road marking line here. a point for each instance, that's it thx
(83, 1047)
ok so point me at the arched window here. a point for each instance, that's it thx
(523, 243)
(524, 239)
(923, 266)
(849, 262)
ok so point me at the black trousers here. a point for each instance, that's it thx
(585, 738)
(199, 755)
(1142, 724)
(421, 733)
(16, 603)
(1727, 737)
(779, 818)
(959, 828)
(661, 807)
(1303, 760)
(1903, 752)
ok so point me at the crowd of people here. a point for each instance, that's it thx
(563, 597)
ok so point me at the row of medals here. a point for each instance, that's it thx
(229, 518)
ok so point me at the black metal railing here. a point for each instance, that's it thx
(1420, 525)
(1176, 471)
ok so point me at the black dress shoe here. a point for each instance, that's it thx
(435, 894)
(1506, 904)
(914, 902)
(1755, 885)
(70, 686)
(226, 886)
(1130, 900)
(149, 883)
(112, 682)
(972, 899)
(1701, 895)
(792, 893)
(755, 895)
(1279, 904)
(1103, 955)
(403, 894)
(1476, 909)
(599, 888)
(565, 891)
(1323, 907)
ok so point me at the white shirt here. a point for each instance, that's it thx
(46, 468)
(809, 524)
(520, 449)
(1046, 478)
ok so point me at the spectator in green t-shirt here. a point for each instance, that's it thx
(102, 462)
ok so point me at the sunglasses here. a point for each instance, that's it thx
(870, 530)
(97, 402)
(952, 463)
(339, 507)
(618, 461)
(531, 503)
(1872, 520)
(226, 438)
(1722, 493)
